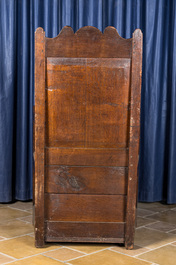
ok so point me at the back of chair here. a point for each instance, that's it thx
(87, 121)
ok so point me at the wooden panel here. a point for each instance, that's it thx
(87, 157)
(107, 102)
(88, 42)
(65, 124)
(134, 137)
(83, 232)
(84, 110)
(85, 208)
(85, 180)
(39, 140)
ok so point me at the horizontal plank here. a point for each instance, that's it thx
(84, 232)
(87, 157)
(85, 240)
(85, 180)
(85, 208)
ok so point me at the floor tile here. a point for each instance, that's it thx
(150, 238)
(27, 219)
(9, 214)
(141, 221)
(88, 248)
(155, 206)
(136, 251)
(21, 205)
(15, 228)
(21, 247)
(108, 257)
(168, 216)
(4, 259)
(143, 212)
(63, 254)
(164, 256)
(162, 226)
(37, 260)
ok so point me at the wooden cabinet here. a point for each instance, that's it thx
(87, 121)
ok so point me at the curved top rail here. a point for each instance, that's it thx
(88, 42)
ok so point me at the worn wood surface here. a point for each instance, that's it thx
(87, 110)
(88, 42)
(94, 112)
(135, 96)
(85, 231)
(85, 208)
(87, 156)
(86, 180)
(39, 135)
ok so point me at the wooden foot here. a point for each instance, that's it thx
(39, 243)
(129, 245)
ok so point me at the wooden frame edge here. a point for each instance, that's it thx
(135, 101)
(39, 136)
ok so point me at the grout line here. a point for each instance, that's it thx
(152, 249)
(8, 256)
(142, 226)
(121, 252)
(150, 228)
(63, 260)
(155, 229)
(26, 222)
(9, 238)
(88, 254)
(137, 258)
(3, 237)
(148, 215)
(51, 250)
(76, 250)
(32, 255)
(170, 231)
(14, 208)
(53, 258)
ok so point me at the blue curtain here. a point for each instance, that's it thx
(18, 22)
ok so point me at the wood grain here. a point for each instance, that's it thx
(87, 157)
(39, 135)
(88, 42)
(87, 119)
(85, 232)
(84, 110)
(134, 138)
(85, 208)
(86, 180)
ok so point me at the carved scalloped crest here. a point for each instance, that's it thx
(108, 31)
(88, 42)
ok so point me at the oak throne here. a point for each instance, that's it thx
(87, 118)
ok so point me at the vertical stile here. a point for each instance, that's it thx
(135, 96)
(39, 135)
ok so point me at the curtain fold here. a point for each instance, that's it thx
(157, 20)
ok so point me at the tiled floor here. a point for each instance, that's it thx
(155, 240)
